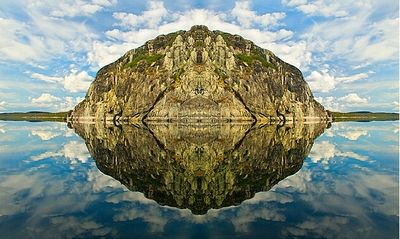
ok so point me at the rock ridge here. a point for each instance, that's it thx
(198, 76)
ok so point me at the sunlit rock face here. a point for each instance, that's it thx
(199, 166)
(199, 76)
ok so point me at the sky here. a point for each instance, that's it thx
(51, 50)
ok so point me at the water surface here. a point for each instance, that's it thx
(226, 181)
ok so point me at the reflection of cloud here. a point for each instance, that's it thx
(44, 134)
(78, 226)
(245, 216)
(2, 130)
(270, 196)
(352, 155)
(324, 152)
(45, 155)
(76, 151)
(353, 135)
(101, 182)
(152, 215)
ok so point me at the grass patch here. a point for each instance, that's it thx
(148, 58)
(249, 59)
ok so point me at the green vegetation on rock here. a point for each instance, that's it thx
(249, 59)
(148, 58)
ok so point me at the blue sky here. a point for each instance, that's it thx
(348, 51)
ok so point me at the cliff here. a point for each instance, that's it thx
(195, 76)
(199, 166)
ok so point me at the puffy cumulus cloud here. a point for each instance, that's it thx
(352, 99)
(321, 81)
(342, 103)
(325, 81)
(74, 81)
(149, 18)
(248, 18)
(77, 81)
(103, 53)
(45, 98)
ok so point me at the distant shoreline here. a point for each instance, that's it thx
(37, 116)
(364, 116)
(34, 116)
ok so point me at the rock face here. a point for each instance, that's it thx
(195, 76)
(199, 166)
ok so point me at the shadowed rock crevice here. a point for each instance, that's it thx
(199, 76)
(199, 166)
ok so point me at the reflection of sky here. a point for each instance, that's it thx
(347, 188)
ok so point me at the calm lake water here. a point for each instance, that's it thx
(202, 181)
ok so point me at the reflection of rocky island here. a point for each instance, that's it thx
(199, 166)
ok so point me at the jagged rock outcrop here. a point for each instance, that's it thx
(199, 166)
(198, 75)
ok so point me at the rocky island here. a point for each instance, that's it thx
(198, 76)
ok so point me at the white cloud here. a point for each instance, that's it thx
(353, 99)
(320, 7)
(77, 7)
(104, 53)
(74, 81)
(248, 18)
(149, 18)
(325, 81)
(68, 103)
(50, 79)
(355, 39)
(45, 98)
(77, 81)
(356, 77)
(321, 81)
(41, 37)
(330, 103)
(342, 103)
